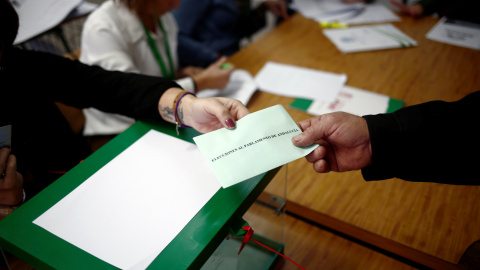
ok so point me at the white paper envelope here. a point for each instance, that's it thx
(260, 142)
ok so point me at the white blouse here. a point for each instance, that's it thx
(114, 38)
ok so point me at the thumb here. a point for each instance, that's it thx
(306, 138)
(312, 132)
(220, 61)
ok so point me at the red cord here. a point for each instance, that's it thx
(276, 252)
(248, 236)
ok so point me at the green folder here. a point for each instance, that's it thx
(303, 104)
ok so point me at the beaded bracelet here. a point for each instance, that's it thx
(176, 102)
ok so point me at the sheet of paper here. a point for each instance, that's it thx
(299, 82)
(339, 11)
(456, 33)
(260, 142)
(373, 13)
(36, 17)
(129, 210)
(241, 86)
(367, 38)
(83, 9)
(352, 100)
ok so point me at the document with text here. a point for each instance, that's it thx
(260, 142)
(369, 38)
(454, 32)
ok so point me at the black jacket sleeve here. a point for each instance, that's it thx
(59, 79)
(432, 142)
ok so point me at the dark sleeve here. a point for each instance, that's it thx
(190, 50)
(79, 85)
(431, 142)
(430, 6)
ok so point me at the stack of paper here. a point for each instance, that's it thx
(367, 38)
(351, 100)
(457, 33)
(338, 11)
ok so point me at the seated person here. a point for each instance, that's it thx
(139, 36)
(43, 146)
(212, 28)
(461, 9)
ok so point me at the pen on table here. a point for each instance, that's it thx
(328, 24)
(225, 66)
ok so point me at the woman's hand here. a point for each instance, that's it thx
(278, 8)
(203, 114)
(11, 181)
(190, 71)
(214, 76)
(415, 10)
(209, 114)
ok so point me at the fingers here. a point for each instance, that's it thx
(11, 185)
(310, 133)
(404, 8)
(398, 4)
(11, 171)
(321, 166)
(231, 111)
(281, 10)
(319, 159)
(227, 111)
(4, 153)
(317, 154)
(222, 60)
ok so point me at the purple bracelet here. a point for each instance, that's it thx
(176, 103)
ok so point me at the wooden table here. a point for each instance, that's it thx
(426, 224)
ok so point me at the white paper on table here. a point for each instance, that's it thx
(316, 9)
(132, 208)
(367, 38)
(36, 17)
(457, 33)
(350, 13)
(260, 142)
(352, 100)
(299, 82)
(241, 86)
(373, 13)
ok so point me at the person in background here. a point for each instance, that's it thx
(140, 36)
(435, 141)
(43, 146)
(460, 9)
(210, 29)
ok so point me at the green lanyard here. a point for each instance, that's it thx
(169, 74)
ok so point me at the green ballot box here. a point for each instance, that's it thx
(202, 242)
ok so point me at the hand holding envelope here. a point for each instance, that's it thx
(260, 142)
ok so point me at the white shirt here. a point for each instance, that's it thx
(114, 38)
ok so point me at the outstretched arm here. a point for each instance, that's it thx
(343, 138)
